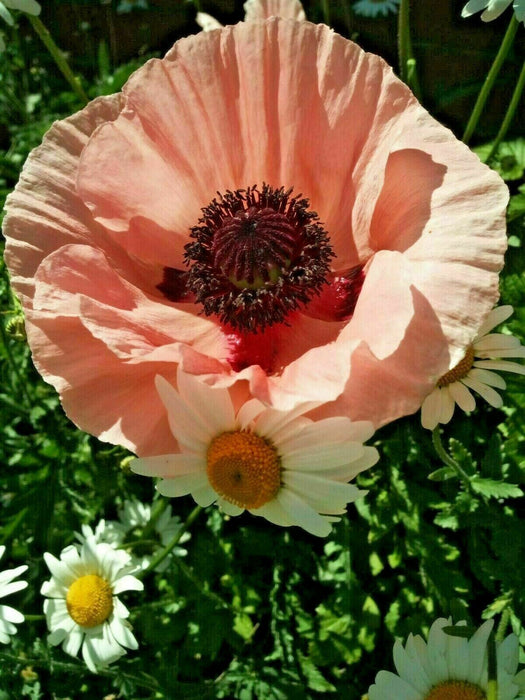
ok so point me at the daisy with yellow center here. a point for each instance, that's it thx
(448, 667)
(82, 607)
(8, 615)
(280, 465)
(475, 372)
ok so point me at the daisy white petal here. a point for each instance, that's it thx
(462, 396)
(183, 484)
(30, 7)
(300, 513)
(167, 465)
(8, 615)
(81, 618)
(447, 406)
(207, 22)
(492, 397)
(497, 316)
(501, 365)
(430, 410)
(496, 342)
(487, 377)
(188, 428)
(229, 508)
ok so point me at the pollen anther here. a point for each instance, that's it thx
(456, 690)
(89, 600)
(244, 468)
(459, 371)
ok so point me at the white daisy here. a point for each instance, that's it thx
(448, 667)
(133, 515)
(280, 465)
(82, 607)
(475, 371)
(374, 8)
(8, 615)
(494, 8)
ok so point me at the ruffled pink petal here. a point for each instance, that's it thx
(381, 391)
(101, 394)
(44, 212)
(263, 9)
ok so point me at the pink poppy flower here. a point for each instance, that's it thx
(158, 228)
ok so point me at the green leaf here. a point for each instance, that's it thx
(243, 625)
(442, 474)
(495, 489)
(509, 160)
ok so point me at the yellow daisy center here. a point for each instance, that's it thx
(244, 468)
(459, 371)
(89, 600)
(456, 690)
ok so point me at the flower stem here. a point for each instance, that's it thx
(14, 367)
(502, 626)
(492, 685)
(446, 458)
(491, 78)
(58, 57)
(163, 553)
(509, 115)
(326, 11)
(407, 62)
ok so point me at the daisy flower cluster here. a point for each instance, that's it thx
(134, 516)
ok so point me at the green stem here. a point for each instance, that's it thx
(492, 685)
(143, 681)
(163, 553)
(492, 690)
(34, 618)
(326, 12)
(502, 626)
(491, 78)
(509, 115)
(58, 57)
(446, 458)
(407, 62)
(12, 362)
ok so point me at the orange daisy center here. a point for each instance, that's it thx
(456, 690)
(459, 371)
(244, 468)
(89, 600)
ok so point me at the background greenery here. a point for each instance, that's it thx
(256, 611)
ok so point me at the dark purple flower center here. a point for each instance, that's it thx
(257, 255)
